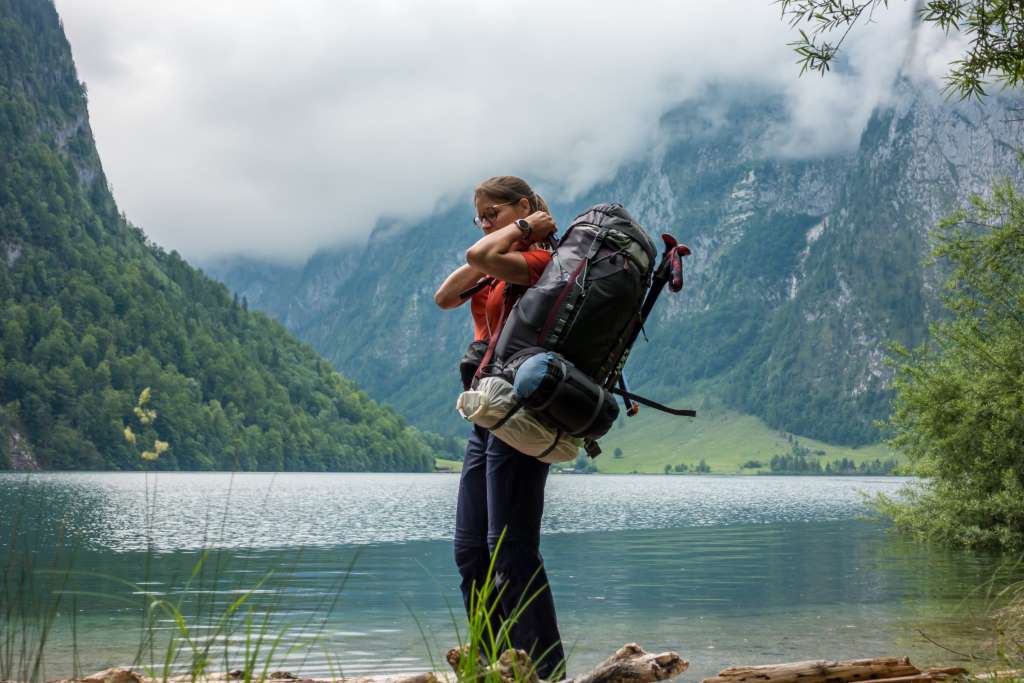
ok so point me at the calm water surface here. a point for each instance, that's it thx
(724, 570)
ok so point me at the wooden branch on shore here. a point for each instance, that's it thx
(819, 671)
(629, 665)
(877, 670)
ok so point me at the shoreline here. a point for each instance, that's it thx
(553, 471)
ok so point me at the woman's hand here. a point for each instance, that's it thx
(542, 226)
(497, 254)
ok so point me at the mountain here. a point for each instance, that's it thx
(804, 269)
(92, 313)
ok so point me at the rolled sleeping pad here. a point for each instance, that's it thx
(493, 402)
(562, 394)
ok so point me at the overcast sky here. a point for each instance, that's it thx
(271, 129)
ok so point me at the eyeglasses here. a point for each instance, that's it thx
(489, 214)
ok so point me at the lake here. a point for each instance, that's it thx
(723, 570)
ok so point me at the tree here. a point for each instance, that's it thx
(994, 28)
(584, 464)
(959, 407)
(959, 400)
(617, 453)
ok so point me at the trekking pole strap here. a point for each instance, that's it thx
(686, 412)
(632, 408)
(481, 283)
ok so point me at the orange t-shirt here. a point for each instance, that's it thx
(486, 304)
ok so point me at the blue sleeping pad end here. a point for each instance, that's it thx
(531, 373)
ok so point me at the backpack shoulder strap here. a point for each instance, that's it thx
(509, 298)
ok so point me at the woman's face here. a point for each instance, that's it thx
(497, 213)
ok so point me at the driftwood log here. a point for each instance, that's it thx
(877, 670)
(629, 665)
(632, 665)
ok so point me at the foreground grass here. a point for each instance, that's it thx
(724, 438)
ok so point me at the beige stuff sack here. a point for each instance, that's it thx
(492, 399)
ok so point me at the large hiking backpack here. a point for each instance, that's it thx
(571, 333)
(586, 299)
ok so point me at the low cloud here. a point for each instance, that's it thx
(272, 129)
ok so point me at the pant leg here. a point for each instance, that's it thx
(515, 505)
(472, 556)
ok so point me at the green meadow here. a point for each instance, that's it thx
(723, 438)
(445, 464)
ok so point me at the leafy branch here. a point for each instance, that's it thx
(994, 28)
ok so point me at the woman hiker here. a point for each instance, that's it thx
(501, 489)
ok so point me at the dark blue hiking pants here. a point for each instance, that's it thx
(502, 489)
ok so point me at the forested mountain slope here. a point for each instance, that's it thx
(91, 313)
(803, 268)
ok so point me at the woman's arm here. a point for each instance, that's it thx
(461, 279)
(495, 254)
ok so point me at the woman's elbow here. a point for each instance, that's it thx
(445, 300)
(476, 258)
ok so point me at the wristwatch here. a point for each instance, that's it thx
(525, 227)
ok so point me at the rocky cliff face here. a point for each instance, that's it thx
(803, 269)
(863, 282)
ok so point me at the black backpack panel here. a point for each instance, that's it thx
(588, 297)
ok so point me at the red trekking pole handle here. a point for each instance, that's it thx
(675, 282)
(672, 261)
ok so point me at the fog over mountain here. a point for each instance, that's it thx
(274, 130)
(803, 270)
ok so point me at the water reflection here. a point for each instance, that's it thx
(176, 511)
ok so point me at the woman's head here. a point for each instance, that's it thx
(502, 199)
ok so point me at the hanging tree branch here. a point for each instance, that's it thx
(994, 29)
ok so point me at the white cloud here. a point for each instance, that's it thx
(273, 129)
(934, 51)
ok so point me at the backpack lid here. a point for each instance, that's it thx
(614, 216)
